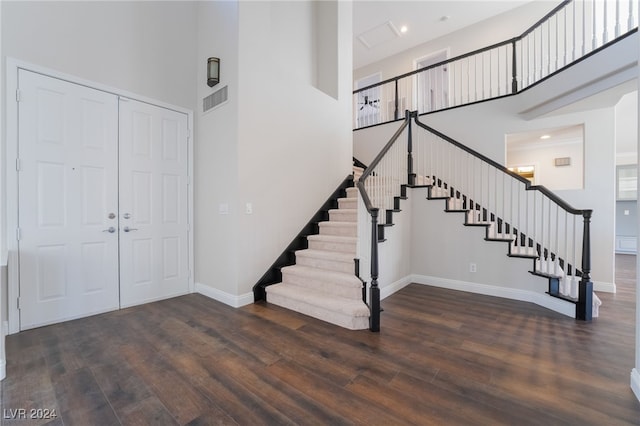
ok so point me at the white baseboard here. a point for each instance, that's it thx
(3, 368)
(388, 290)
(604, 287)
(224, 297)
(543, 300)
(635, 383)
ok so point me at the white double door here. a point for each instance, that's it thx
(102, 194)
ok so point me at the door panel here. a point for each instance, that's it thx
(153, 203)
(68, 150)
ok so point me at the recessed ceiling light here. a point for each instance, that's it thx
(545, 137)
(404, 29)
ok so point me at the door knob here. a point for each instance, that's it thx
(127, 229)
(110, 230)
(126, 215)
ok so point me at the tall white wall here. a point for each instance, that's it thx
(143, 47)
(216, 152)
(294, 140)
(282, 143)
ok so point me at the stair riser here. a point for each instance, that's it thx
(336, 289)
(348, 203)
(351, 323)
(344, 231)
(455, 204)
(328, 264)
(333, 246)
(439, 192)
(339, 216)
(527, 251)
(352, 192)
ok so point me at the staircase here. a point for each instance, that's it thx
(546, 264)
(322, 283)
(317, 275)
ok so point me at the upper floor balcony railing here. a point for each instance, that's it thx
(570, 32)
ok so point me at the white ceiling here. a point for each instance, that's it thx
(424, 20)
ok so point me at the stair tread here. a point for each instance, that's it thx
(332, 238)
(325, 254)
(342, 278)
(344, 210)
(545, 274)
(338, 223)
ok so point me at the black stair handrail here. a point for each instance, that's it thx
(541, 188)
(374, 289)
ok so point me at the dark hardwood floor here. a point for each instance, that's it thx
(442, 357)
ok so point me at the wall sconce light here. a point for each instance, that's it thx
(213, 71)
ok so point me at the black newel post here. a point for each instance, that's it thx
(514, 71)
(374, 291)
(584, 307)
(411, 178)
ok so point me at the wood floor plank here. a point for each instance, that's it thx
(350, 406)
(442, 357)
(81, 400)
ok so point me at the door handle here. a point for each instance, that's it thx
(127, 229)
(110, 230)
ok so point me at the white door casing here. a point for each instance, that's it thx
(68, 153)
(154, 223)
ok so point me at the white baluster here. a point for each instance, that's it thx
(605, 33)
(594, 31)
(584, 28)
(574, 38)
(549, 46)
(617, 31)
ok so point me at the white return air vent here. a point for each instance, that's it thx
(216, 98)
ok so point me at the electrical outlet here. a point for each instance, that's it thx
(223, 208)
(472, 267)
(248, 208)
(626, 212)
